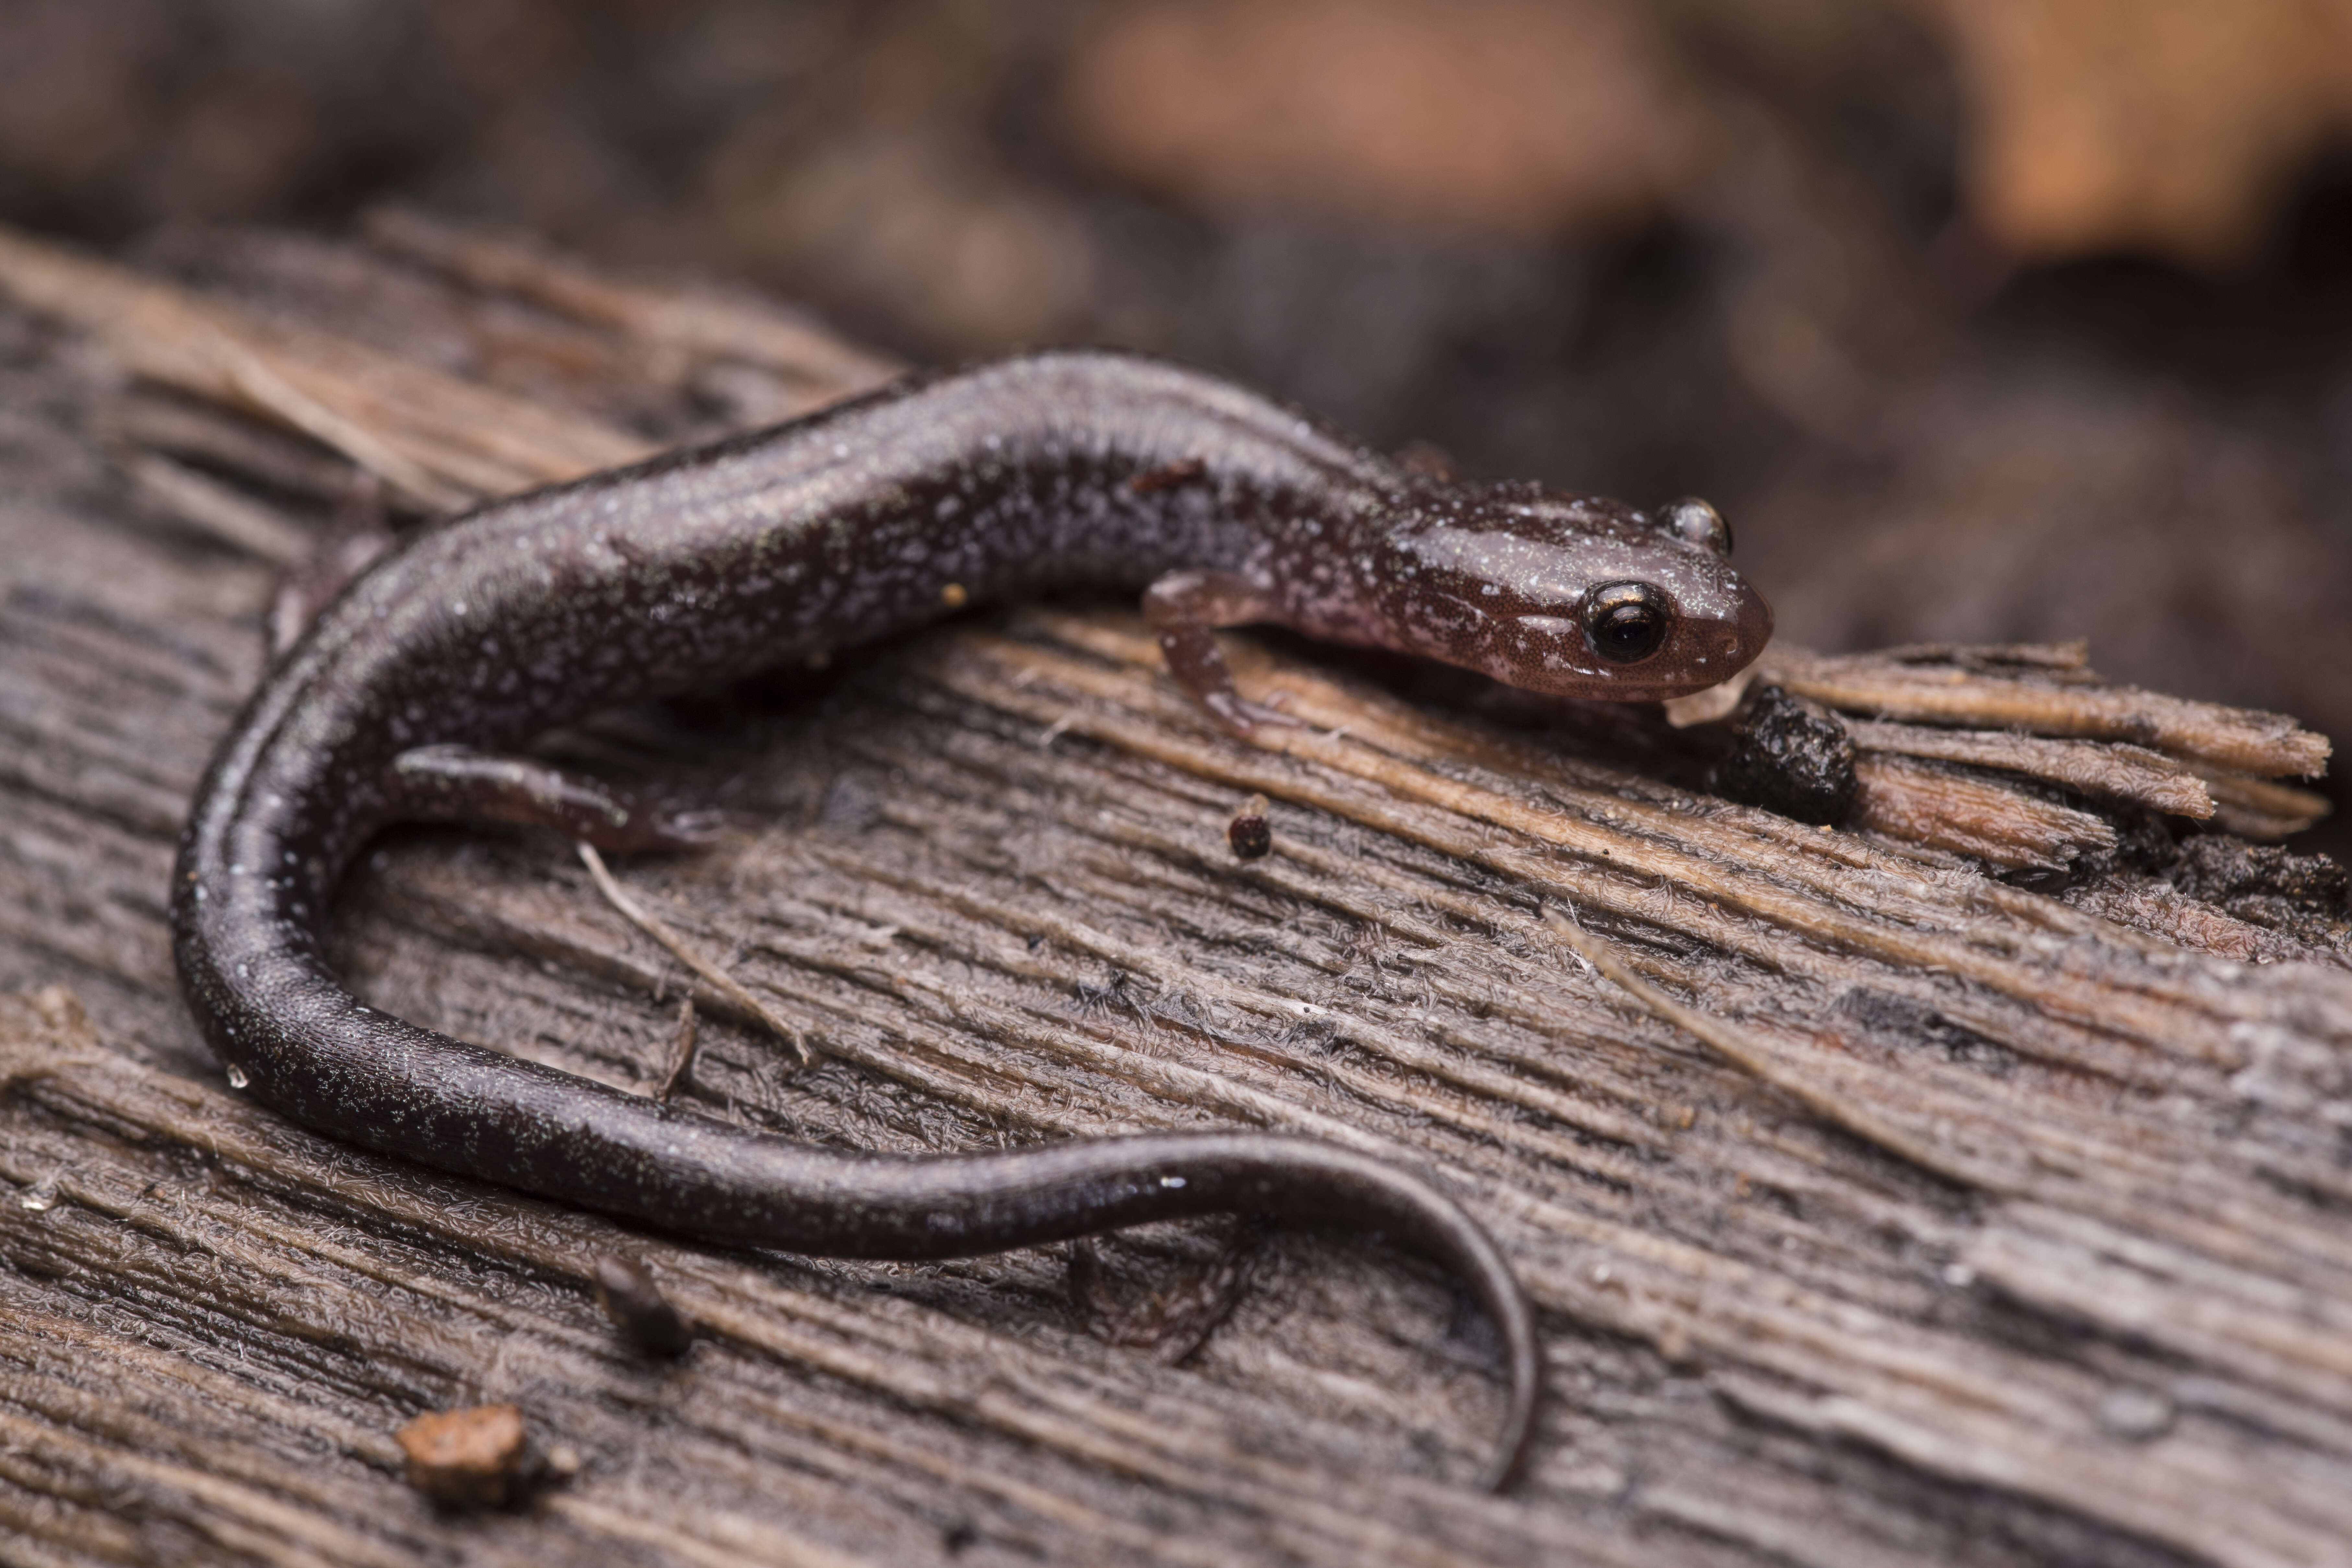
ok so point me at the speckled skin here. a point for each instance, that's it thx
(1065, 469)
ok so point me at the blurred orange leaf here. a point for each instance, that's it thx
(1511, 116)
(2167, 126)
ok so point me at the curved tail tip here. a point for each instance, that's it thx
(1515, 1445)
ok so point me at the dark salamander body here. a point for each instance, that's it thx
(1078, 468)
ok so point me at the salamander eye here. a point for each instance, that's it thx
(1625, 622)
(1693, 521)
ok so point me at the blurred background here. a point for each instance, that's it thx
(1982, 320)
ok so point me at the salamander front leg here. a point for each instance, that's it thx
(457, 783)
(1185, 608)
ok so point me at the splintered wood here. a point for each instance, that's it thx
(2198, 759)
(1961, 748)
(1958, 1186)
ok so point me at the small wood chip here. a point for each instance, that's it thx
(1249, 833)
(633, 1298)
(465, 1458)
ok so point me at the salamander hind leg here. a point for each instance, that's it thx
(457, 783)
(362, 535)
(307, 587)
(1185, 608)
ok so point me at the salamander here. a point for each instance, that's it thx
(409, 694)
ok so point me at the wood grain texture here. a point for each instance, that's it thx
(2010, 1229)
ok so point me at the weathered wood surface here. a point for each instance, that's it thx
(1989, 1229)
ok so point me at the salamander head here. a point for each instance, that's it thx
(1572, 594)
